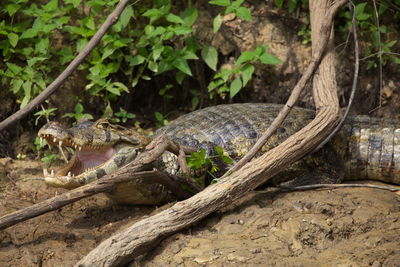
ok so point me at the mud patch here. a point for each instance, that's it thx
(342, 227)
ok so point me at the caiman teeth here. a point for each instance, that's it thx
(46, 173)
(60, 143)
(54, 140)
(69, 174)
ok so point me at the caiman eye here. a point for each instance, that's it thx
(102, 124)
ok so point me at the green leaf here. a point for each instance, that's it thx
(14, 68)
(121, 86)
(32, 61)
(292, 5)
(217, 23)
(42, 46)
(227, 159)
(157, 50)
(29, 33)
(108, 50)
(135, 81)
(224, 74)
(267, 58)
(90, 23)
(78, 108)
(363, 16)
(182, 65)
(245, 57)
(157, 31)
(13, 39)
(189, 16)
(159, 116)
(182, 30)
(220, 2)
(360, 15)
(174, 18)
(153, 66)
(153, 14)
(195, 102)
(126, 16)
(75, 3)
(136, 60)
(179, 77)
(16, 85)
(81, 44)
(279, 3)
(113, 90)
(190, 55)
(214, 84)
(247, 72)
(244, 13)
(27, 93)
(148, 29)
(237, 3)
(12, 9)
(108, 111)
(210, 56)
(235, 87)
(51, 6)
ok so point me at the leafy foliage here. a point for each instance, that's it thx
(241, 73)
(369, 22)
(200, 160)
(78, 113)
(230, 7)
(40, 39)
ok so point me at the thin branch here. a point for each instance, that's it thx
(62, 200)
(355, 79)
(294, 96)
(111, 19)
(330, 186)
(379, 55)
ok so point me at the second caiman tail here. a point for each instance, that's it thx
(372, 149)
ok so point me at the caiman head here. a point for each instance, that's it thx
(100, 149)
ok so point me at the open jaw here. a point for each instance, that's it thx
(88, 163)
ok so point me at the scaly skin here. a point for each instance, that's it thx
(365, 148)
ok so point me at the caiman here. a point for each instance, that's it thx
(364, 148)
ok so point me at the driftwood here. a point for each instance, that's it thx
(111, 19)
(145, 234)
(132, 171)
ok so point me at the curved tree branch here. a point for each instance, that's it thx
(111, 19)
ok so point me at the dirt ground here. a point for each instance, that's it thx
(340, 227)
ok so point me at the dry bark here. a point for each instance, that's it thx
(138, 238)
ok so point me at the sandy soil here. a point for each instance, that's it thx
(341, 227)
